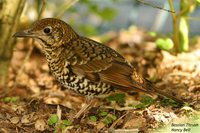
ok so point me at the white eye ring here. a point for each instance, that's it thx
(47, 30)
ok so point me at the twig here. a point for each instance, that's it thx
(148, 4)
(42, 9)
(115, 123)
(175, 26)
(185, 10)
(65, 7)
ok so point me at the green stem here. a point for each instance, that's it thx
(175, 27)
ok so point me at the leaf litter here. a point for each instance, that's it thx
(37, 95)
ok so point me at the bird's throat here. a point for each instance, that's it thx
(55, 60)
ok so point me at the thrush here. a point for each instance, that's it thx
(84, 65)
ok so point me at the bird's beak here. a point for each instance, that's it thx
(24, 33)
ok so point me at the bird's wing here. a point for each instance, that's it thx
(100, 63)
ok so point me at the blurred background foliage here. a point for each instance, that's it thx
(89, 17)
(92, 17)
(177, 18)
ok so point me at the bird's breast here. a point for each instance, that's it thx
(77, 83)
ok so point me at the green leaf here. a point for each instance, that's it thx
(93, 118)
(169, 102)
(88, 29)
(141, 106)
(108, 120)
(114, 117)
(164, 44)
(10, 99)
(94, 8)
(63, 126)
(111, 98)
(116, 97)
(146, 101)
(108, 13)
(66, 122)
(119, 98)
(103, 114)
(53, 119)
(153, 34)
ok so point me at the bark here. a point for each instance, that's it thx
(10, 11)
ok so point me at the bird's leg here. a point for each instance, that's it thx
(89, 101)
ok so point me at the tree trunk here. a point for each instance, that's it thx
(10, 11)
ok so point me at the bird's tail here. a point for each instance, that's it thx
(145, 85)
(150, 88)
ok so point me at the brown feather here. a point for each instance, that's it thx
(114, 70)
(84, 65)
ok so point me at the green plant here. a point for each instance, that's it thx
(103, 114)
(169, 102)
(93, 118)
(109, 119)
(118, 97)
(58, 124)
(10, 99)
(180, 24)
(164, 43)
(102, 13)
(146, 101)
(53, 119)
(65, 123)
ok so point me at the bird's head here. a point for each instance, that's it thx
(50, 31)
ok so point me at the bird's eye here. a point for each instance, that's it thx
(47, 30)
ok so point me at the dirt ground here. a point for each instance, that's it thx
(34, 101)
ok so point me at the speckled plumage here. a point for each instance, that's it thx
(83, 65)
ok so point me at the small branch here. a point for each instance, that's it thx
(42, 9)
(148, 4)
(185, 10)
(65, 7)
(175, 26)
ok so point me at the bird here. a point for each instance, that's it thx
(86, 66)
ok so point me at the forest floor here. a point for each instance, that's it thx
(34, 101)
